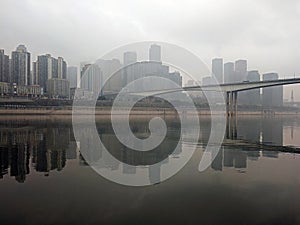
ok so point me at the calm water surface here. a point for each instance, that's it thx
(45, 180)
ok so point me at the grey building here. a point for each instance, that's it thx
(229, 73)
(240, 76)
(49, 67)
(155, 53)
(72, 76)
(58, 88)
(61, 68)
(240, 70)
(253, 96)
(129, 58)
(44, 70)
(217, 69)
(34, 73)
(272, 96)
(20, 66)
(91, 78)
(4, 67)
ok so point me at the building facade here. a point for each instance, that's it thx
(155, 53)
(20, 66)
(58, 88)
(217, 69)
(272, 96)
(4, 67)
(72, 76)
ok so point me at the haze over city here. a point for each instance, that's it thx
(263, 32)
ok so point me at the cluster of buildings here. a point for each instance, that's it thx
(47, 76)
(51, 78)
(236, 72)
(114, 75)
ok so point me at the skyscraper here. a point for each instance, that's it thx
(253, 96)
(62, 68)
(272, 96)
(229, 72)
(4, 67)
(155, 53)
(72, 76)
(240, 76)
(240, 70)
(49, 67)
(129, 58)
(20, 66)
(34, 73)
(217, 69)
(44, 70)
(91, 78)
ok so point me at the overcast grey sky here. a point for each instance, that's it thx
(265, 32)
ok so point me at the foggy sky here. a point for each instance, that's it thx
(266, 33)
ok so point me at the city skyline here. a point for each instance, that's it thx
(219, 67)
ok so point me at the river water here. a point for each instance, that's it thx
(45, 180)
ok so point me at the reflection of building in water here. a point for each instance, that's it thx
(230, 158)
(72, 150)
(249, 129)
(154, 174)
(45, 146)
(217, 163)
(272, 133)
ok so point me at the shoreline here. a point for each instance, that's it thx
(137, 111)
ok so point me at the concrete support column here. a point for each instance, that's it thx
(231, 103)
(227, 103)
(235, 95)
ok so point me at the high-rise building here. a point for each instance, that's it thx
(109, 79)
(217, 69)
(240, 76)
(272, 96)
(20, 66)
(155, 53)
(34, 73)
(129, 58)
(229, 72)
(44, 70)
(4, 67)
(240, 70)
(62, 68)
(58, 88)
(72, 76)
(91, 78)
(253, 96)
(49, 67)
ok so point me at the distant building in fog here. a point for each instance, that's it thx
(240, 70)
(217, 69)
(155, 53)
(129, 58)
(72, 76)
(253, 96)
(229, 76)
(240, 76)
(272, 96)
(91, 78)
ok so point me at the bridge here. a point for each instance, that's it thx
(231, 90)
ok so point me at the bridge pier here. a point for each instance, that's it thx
(231, 103)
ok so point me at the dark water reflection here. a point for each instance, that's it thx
(44, 180)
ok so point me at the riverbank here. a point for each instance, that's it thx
(135, 111)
